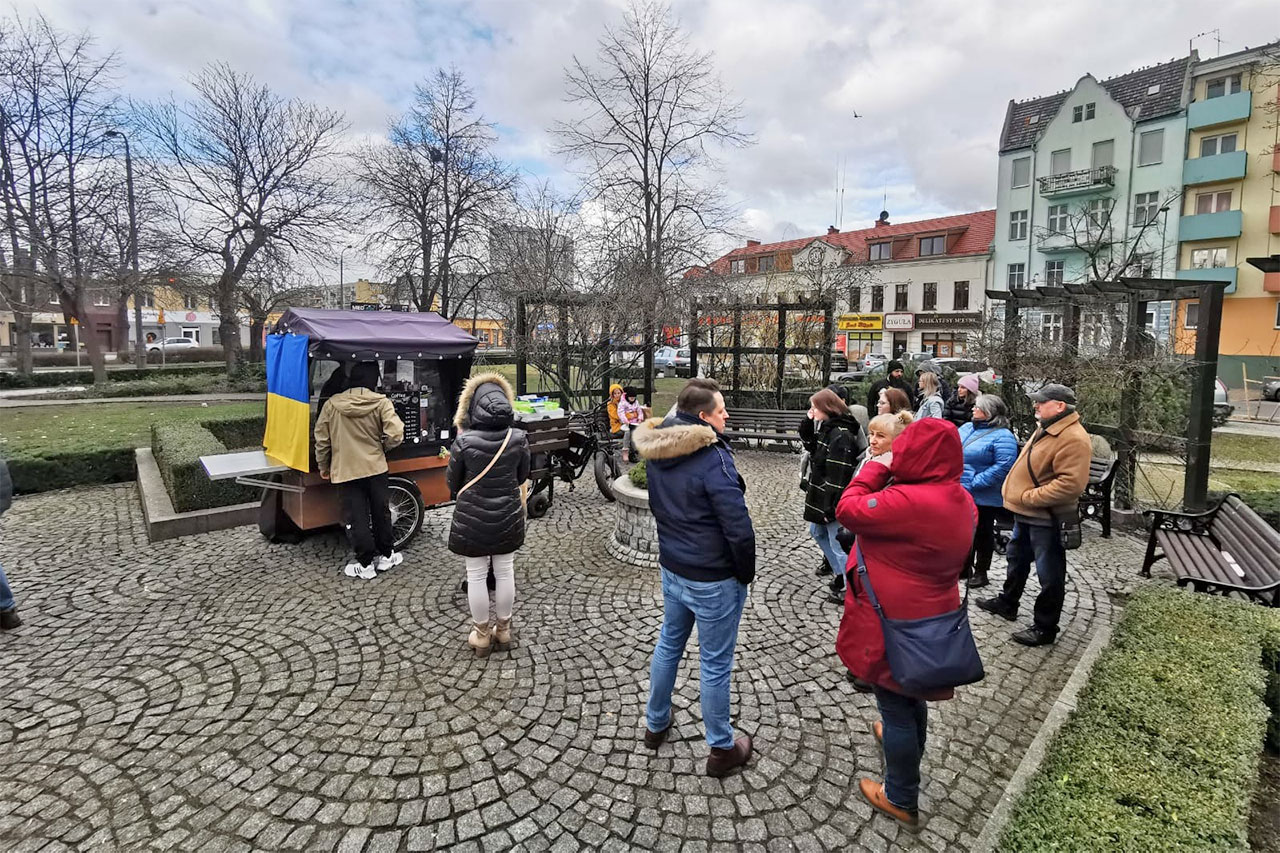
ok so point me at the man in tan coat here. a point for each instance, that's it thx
(353, 433)
(1046, 482)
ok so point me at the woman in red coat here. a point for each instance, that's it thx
(914, 573)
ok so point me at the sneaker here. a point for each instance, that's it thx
(384, 563)
(364, 573)
(823, 570)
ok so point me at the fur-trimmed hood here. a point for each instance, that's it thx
(485, 402)
(671, 440)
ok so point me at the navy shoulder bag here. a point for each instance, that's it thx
(933, 653)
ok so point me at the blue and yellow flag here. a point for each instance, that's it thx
(288, 436)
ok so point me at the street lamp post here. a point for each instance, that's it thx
(140, 350)
(342, 281)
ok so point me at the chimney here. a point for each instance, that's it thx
(751, 243)
(883, 220)
(831, 229)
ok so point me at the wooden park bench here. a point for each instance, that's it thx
(777, 425)
(1226, 549)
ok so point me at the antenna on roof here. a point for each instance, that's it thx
(844, 177)
(1217, 37)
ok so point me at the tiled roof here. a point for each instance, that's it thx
(973, 235)
(1024, 120)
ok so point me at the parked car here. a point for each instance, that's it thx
(1271, 390)
(664, 358)
(871, 359)
(171, 344)
(1222, 409)
(869, 374)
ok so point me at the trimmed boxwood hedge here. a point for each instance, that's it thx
(177, 449)
(55, 379)
(1162, 752)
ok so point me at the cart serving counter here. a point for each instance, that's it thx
(424, 361)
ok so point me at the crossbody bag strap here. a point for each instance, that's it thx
(487, 468)
(871, 593)
(1030, 448)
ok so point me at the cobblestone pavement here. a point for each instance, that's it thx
(220, 693)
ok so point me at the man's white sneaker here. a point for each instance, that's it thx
(384, 563)
(364, 573)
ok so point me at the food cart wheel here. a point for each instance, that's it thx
(539, 504)
(406, 510)
(607, 470)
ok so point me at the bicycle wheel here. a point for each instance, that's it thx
(606, 469)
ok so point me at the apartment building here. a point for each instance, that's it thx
(1089, 184)
(906, 287)
(1230, 208)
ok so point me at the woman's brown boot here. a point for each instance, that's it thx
(480, 639)
(502, 634)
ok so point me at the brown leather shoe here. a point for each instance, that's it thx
(873, 792)
(653, 740)
(722, 761)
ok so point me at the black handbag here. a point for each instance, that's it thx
(929, 654)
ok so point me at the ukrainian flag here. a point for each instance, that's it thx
(288, 436)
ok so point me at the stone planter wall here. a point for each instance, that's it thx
(635, 534)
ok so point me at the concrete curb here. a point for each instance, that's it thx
(1062, 708)
(163, 522)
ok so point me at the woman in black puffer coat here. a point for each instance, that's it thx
(488, 518)
(838, 443)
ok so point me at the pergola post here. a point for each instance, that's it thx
(1130, 402)
(782, 352)
(1195, 489)
(737, 347)
(522, 341)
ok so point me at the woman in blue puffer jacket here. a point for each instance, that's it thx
(990, 449)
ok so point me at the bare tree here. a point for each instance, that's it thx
(649, 111)
(436, 188)
(245, 169)
(266, 287)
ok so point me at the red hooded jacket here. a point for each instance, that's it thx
(914, 535)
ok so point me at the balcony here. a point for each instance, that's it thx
(1216, 111)
(1211, 274)
(1079, 181)
(1210, 226)
(1211, 170)
(1273, 221)
(1271, 282)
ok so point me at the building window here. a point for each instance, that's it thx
(1018, 225)
(943, 344)
(933, 246)
(1216, 202)
(1151, 148)
(737, 266)
(1077, 115)
(1060, 161)
(1057, 219)
(766, 264)
(929, 302)
(101, 299)
(1092, 327)
(1204, 259)
(1090, 110)
(900, 297)
(1145, 207)
(877, 299)
(1104, 154)
(1017, 275)
(1100, 212)
(53, 297)
(1021, 172)
(960, 296)
(1219, 86)
(191, 303)
(148, 299)
(1191, 317)
(1053, 271)
(1051, 327)
(1223, 144)
(855, 299)
(881, 251)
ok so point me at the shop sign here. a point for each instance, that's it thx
(902, 322)
(378, 306)
(860, 323)
(952, 320)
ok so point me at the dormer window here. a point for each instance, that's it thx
(737, 266)
(881, 251)
(1221, 86)
(933, 246)
(766, 264)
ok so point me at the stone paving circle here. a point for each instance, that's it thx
(223, 693)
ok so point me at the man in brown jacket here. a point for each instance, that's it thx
(1047, 481)
(353, 433)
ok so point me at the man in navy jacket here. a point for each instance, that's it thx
(707, 550)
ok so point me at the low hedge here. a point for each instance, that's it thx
(178, 448)
(1162, 751)
(55, 379)
(184, 355)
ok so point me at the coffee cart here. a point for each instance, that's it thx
(424, 359)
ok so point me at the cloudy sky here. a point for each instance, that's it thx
(930, 79)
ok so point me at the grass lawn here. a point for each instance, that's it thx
(1161, 485)
(44, 431)
(1246, 448)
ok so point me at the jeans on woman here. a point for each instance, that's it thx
(6, 595)
(984, 538)
(716, 608)
(825, 536)
(504, 592)
(905, 723)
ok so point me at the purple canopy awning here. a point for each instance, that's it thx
(368, 335)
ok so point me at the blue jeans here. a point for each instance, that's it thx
(716, 608)
(1028, 542)
(906, 722)
(6, 595)
(825, 536)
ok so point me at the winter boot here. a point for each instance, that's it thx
(480, 639)
(502, 634)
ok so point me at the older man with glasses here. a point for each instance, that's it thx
(1044, 485)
